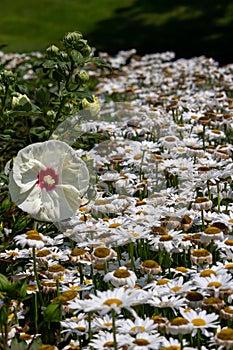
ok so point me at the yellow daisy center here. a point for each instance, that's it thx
(43, 253)
(33, 235)
(151, 264)
(114, 225)
(110, 302)
(78, 252)
(121, 273)
(165, 238)
(179, 321)
(225, 334)
(214, 284)
(141, 342)
(207, 273)
(108, 344)
(212, 230)
(200, 253)
(138, 329)
(198, 322)
(102, 252)
(56, 268)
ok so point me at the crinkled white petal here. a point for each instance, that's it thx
(64, 199)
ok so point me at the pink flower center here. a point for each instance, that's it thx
(47, 179)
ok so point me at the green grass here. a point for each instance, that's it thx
(189, 28)
(28, 25)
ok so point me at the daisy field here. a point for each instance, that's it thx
(116, 200)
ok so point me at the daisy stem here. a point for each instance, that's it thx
(114, 329)
(202, 219)
(80, 269)
(140, 170)
(35, 225)
(5, 336)
(203, 137)
(191, 339)
(219, 197)
(156, 174)
(36, 312)
(36, 274)
(105, 267)
(58, 287)
(89, 325)
(181, 341)
(93, 277)
(131, 255)
(117, 249)
(199, 341)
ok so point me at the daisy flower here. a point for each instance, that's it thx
(171, 344)
(200, 320)
(105, 340)
(142, 341)
(178, 286)
(121, 277)
(104, 322)
(215, 283)
(167, 301)
(139, 325)
(33, 238)
(180, 325)
(224, 337)
(106, 301)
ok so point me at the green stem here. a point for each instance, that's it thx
(36, 274)
(114, 329)
(89, 325)
(203, 137)
(140, 170)
(36, 312)
(202, 220)
(131, 255)
(219, 197)
(58, 287)
(80, 269)
(181, 341)
(5, 97)
(199, 341)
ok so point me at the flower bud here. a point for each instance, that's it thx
(21, 102)
(68, 107)
(86, 51)
(71, 38)
(52, 51)
(82, 77)
(63, 56)
(51, 114)
(94, 107)
(7, 77)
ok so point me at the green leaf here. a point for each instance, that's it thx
(78, 58)
(3, 314)
(53, 312)
(58, 75)
(99, 61)
(22, 285)
(49, 64)
(17, 289)
(4, 283)
(42, 95)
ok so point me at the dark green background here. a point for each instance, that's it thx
(187, 27)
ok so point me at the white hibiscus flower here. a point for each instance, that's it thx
(48, 180)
